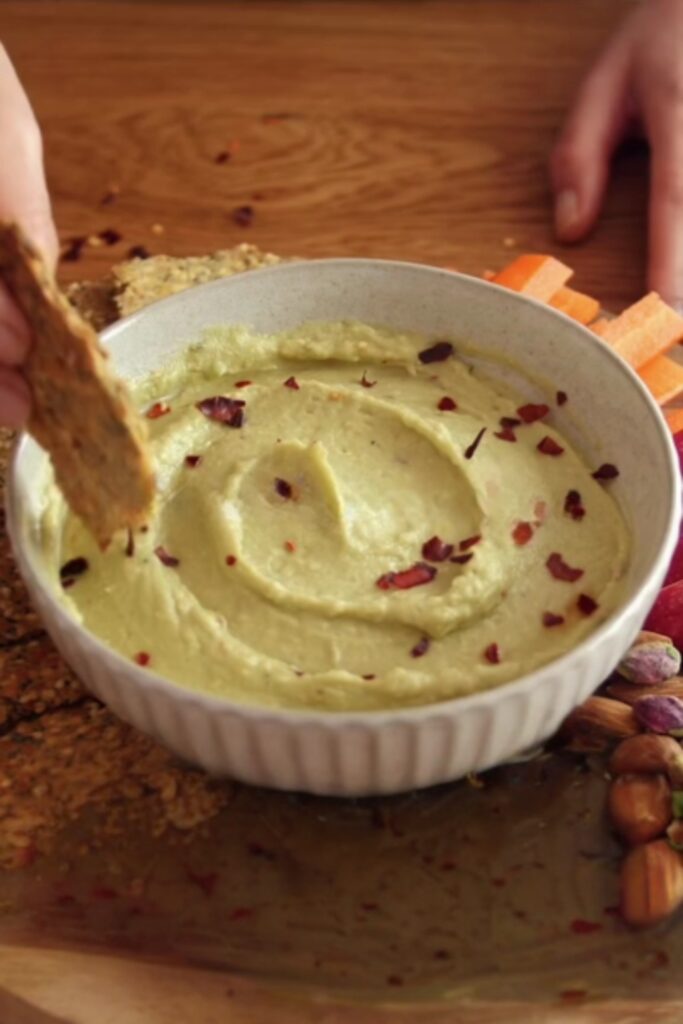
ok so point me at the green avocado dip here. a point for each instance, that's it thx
(348, 518)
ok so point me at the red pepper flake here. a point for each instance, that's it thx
(229, 411)
(492, 654)
(436, 550)
(447, 404)
(283, 488)
(530, 413)
(509, 422)
(130, 544)
(586, 604)
(292, 383)
(581, 927)
(573, 505)
(110, 236)
(462, 559)
(370, 675)
(222, 157)
(170, 560)
(205, 882)
(416, 576)
(365, 382)
(522, 534)
(142, 658)
(241, 913)
(243, 215)
(469, 452)
(421, 647)
(290, 546)
(138, 252)
(74, 249)
(506, 434)
(550, 619)
(469, 542)
(606, 472)
(243, 383)
(561, 397)
(559, 570)
(72, 569)
(548, 446)
(157, 410)
(230, 560)
(192, 460)
(394, 979)
(437, 353)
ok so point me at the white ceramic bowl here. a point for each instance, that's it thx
(610, 418)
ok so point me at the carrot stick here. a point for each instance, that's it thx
(537, 276)
(576, 305)
(664, 378)
(643, 331)
(674, 417)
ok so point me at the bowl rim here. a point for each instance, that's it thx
(129, 673)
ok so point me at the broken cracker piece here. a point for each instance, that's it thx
(81, 413)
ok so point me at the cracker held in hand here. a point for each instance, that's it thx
(81, 414)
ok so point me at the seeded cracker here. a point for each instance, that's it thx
(81, 413)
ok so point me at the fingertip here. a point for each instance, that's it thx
(15, 336)
(15, 400)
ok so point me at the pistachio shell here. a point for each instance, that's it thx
(649, 661)
(660, 714)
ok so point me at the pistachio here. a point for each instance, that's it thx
(597, 723)
(651, 884)
(674, 834)
(648, 753)
(629, 693)
(640, 807)
(652, 659)
(660, 714)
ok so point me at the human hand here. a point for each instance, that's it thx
(636, 83)
(24, 199)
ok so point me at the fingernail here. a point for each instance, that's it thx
(566, 212)
(14, 406)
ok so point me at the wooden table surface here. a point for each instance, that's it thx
(402, 129)
(415, 130)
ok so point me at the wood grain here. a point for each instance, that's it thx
(415, 130)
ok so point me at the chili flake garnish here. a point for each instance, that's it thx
(130, 545)
(138, 252)
(606, 472)
(421, 647)
(292, 383)
(243, 215)
(506, 434)
(559, 570)
(469, 542)
(447, 404)
(462, 559)
(469, 452)
(548, 446)
(522, 533)
(243, 383)
(492, 654)
(110, 236)
(142, 658)
(437, 353)
(550, 619)
(230, 560)
(365, 382)
(530, 413)
(72, 569)
(290, 546)
(436, 550)
(229, 411)
(573, 505)
(157, 410)
(509, 422)
(283, 488)
(405, 579)
(165, 558)
(192, 460)
(586, 604)
(561, 397)
(370, 675)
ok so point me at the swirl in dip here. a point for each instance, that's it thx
(376, 526)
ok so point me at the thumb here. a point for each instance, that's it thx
(596, 123)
